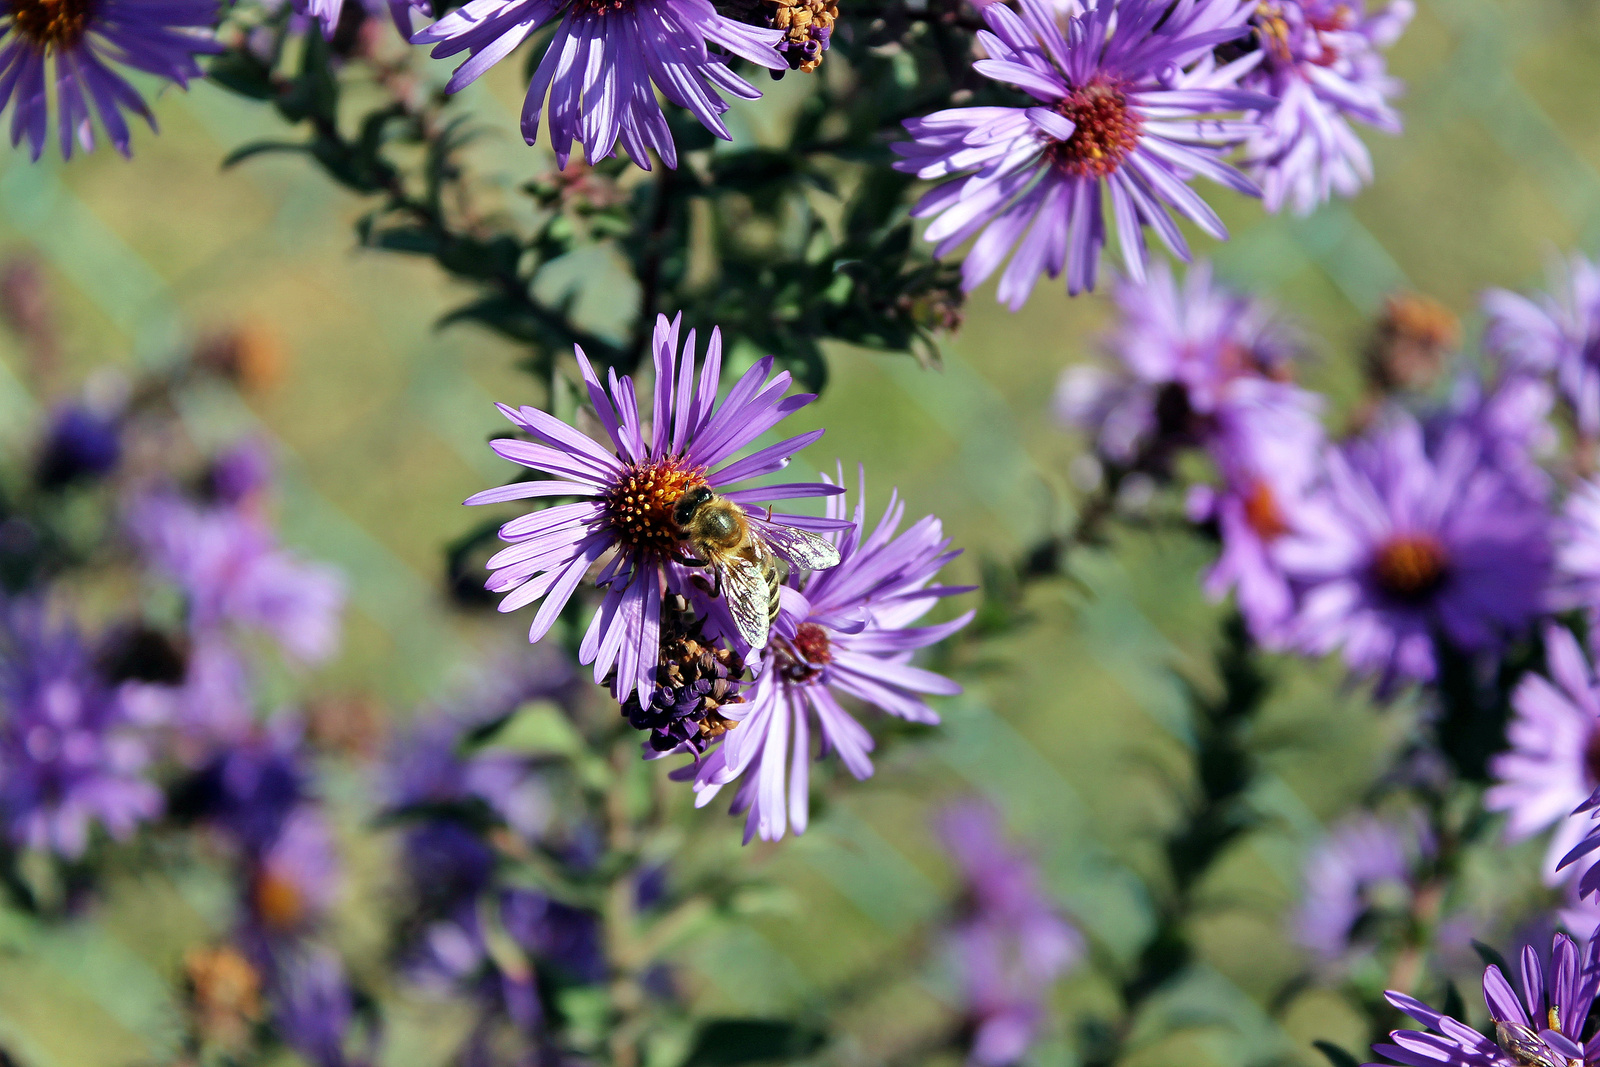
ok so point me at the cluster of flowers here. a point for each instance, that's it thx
(671, 638)
(1436, 529)
(1128, 100)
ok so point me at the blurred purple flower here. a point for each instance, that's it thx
(1553, 762)
(1577, 582)
(1010, 942)
(1125, 99)
(315, 1009)
(210, 707)
(295, 880)
(1347, 875)
(1322, 61)
(80, 444)
(605, 63)
(1545, 1025)
(1554, 333)
(1398, 544)
(230, 566)
(250, 788)
(70, 757)
(847, 630)
(627, 488)
(1201, 365)
(495, 948)
(82, 39)
(1511, 418)
(239, 473)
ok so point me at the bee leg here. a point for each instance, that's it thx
(689, 561)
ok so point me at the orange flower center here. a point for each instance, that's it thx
(1104, 131)
(1262, 512)
(1411, 567)
(811, 652)
(50, 22)
(279, 901)
(640, 506)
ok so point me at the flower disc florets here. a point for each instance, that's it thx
(1104, 131)
(52, 22)
(1411, 567)
(805, 656)
(639, 506)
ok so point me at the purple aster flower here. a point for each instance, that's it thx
(1545, 1025)
(1399, 543)
(1009, 943)
(1200, 364)
(210, 706)
(605, 63)
(1348, 875)
(1511, 418)
(627, 489)
(1322, 61)
(1554, 333)
(427, 769)
(239, 474)
(70, 758)
(315, 1010)
(1253, 513)
(230, 566)
(846, 631)
(81, 444)
(1553, 762)
(1125, 104)
(1578, 550)
(251, 788)
(550, 940)
(82, 40)
(295, 880)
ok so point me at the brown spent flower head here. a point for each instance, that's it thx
(225, 992)
(351, 724)
(250, 354)
(695, 679)
(1411, 343)
(806, 26)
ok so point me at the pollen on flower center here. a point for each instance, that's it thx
(1411, 567)
(1262, 512)
(50, 22)
(600, 7)
(639, 506)
(1105, 131)
(808, 653)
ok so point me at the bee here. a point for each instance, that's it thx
(745, 570)
(1524, 1046)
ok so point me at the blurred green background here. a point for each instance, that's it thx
(1070, 727)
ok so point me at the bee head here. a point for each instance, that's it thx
(689, 503)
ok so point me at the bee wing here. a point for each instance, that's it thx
(1523, 1045)
(744, 588)
(799, 547)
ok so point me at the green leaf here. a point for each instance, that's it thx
(538, 728)
(1337, 1056)
(240, 72)
(260, 148)
(730, 1042)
